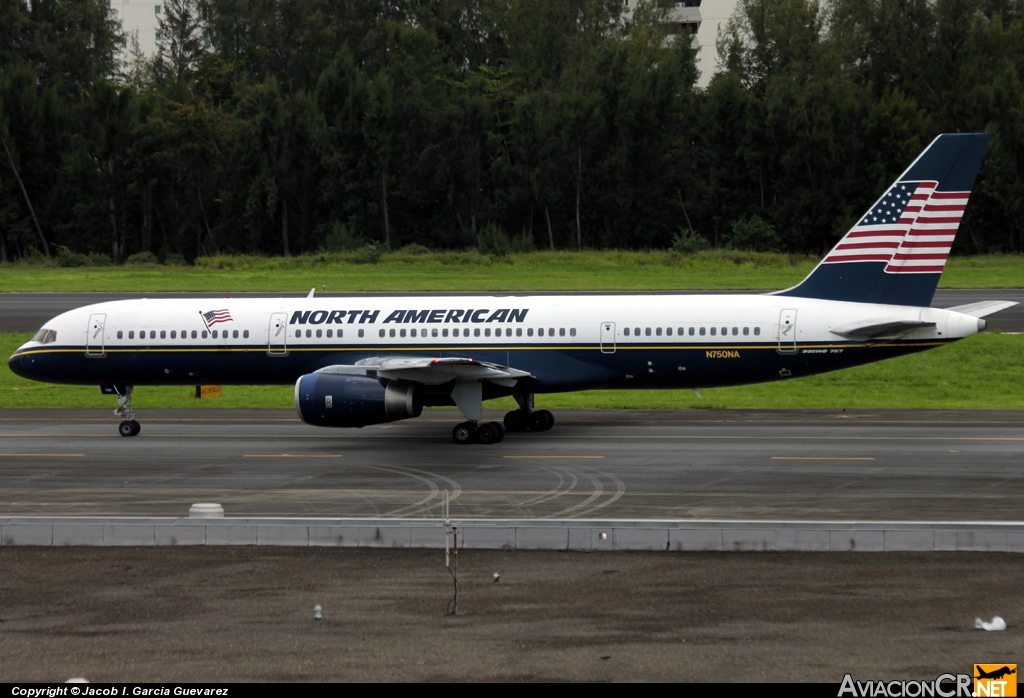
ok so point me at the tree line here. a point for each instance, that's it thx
(290, 126)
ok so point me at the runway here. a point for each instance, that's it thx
(763, 465)
(26, 312)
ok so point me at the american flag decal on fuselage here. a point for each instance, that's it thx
(212, 317)
(911, 228)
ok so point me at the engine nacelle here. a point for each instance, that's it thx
(331, 400)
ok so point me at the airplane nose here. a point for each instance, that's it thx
(14, 363)
(18, 365)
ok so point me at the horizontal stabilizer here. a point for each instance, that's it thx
(880, 329)
(982, 308)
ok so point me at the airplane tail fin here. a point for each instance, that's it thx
(896, 252)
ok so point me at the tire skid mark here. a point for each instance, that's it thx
(557, 491)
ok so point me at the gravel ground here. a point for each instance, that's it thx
(239, 614)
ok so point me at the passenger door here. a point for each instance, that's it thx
(607, 337)
(277, 335)
(94, 335)
(787, 331)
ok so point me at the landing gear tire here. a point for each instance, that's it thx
(516, 421)
(126, 428)
(541, 420)
(490, 433)
(464, 433)
(136, 428)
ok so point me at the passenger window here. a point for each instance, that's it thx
(636, 331)
(215, 334)
(476, 331)
(330, 333)
(551, 332)
(757, 331)
(691, 331)
(382, 333)
(362, 333)
(746, 331)
(647, 331)
(319, 334)
(433, 332)
(120, 334)
(204, 334)
(487, 332)
(309, 334)
(725, 331)
(455, 332)
(713, 331)
(519, 332)
(668, 331)
(702, 332)
(572, 331)
(341, 332)
(657, 331)
(131, 334)
(174, 335)
(391, 333)
(444, 332)
(625, 331)
(735, 331)
(529, 331)
(245, 334)
(412, 332)
(194, 334)
(401, 333)
(561, 331)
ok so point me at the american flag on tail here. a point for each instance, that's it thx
(911, 228)
(212, 317)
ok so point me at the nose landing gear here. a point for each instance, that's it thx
(129, 427)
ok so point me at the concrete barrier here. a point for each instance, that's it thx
(524, 534)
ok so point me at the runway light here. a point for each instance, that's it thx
(603, 536)
(317, 615)
(496, 576)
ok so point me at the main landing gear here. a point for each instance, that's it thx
(129, 427)
(467, 397)
(520, 420)
(469, 432)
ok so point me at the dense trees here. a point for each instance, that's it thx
(283, 127)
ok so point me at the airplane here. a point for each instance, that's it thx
(356, 361)
(995, 673)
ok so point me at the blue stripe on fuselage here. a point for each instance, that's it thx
(556, 367)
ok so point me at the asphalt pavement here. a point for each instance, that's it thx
(636, 464)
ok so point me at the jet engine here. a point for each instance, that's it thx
(330, 400)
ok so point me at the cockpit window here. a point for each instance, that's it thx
(45, 336)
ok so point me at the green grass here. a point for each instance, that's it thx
(471, 272)
(983, 372)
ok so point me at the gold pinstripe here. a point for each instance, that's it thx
(698, 347)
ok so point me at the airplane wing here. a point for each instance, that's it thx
(430, 371)
(983, 308)
(880, 329)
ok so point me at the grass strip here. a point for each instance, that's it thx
(981, 372)
(714, 270)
